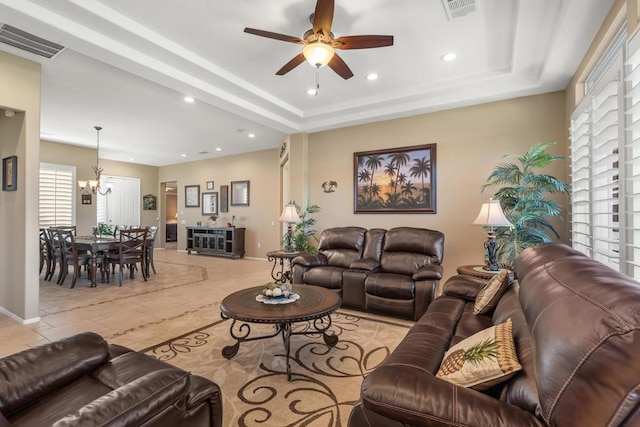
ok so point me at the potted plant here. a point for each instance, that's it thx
(304, 231)
(102, 230)
(523, 197)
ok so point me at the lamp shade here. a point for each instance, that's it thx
(289, 215)
(491, 215)
(318, 54)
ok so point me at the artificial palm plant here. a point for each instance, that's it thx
(304, 231)
(523, 196)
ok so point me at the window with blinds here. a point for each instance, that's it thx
(57, 195)
(605, 166)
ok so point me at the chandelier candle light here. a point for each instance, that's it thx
(94, 184)
(289, 216)
(491, 215)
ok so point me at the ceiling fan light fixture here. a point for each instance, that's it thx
(318, 54)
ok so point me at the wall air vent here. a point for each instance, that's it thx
(28, 42)
(459, 8)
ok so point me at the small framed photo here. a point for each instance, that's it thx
(210, 203)
(149, 202)
(191, 196)
(86, 199)
(209, 185)
(10, 173)
(239, 193)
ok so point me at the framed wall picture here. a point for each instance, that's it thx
(149, 202)
(239, 193)
(397, 180)
(224, 198)
(191, 196)
(210, 203)
(86, 199)
(10, 173)
(209, 185)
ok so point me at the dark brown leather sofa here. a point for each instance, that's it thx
(84, 381)
(576, 326)
(386, 271)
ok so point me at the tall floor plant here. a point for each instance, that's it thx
(523, 196)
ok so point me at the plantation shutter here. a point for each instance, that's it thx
(581, 182)
(56, 194)
(631, 170)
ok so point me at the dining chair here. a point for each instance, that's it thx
(46, 255)
(131, 250)
(152, 230)
(69, 255)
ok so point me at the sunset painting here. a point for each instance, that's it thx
(398, 180)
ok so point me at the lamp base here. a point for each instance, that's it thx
(490, 263)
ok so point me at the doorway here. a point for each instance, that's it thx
(170, 219)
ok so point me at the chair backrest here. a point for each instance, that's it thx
(152, 230)
(45, 249)
(65, 240)
(406, 249)
(342, 245)
(133, 243)
(71, 228)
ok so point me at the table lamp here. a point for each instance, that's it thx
(290, 216)
(491, 215)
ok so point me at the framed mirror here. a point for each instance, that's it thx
(239, 193)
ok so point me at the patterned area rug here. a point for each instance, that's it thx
(325, 382)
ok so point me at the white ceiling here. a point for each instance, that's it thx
(128, 64)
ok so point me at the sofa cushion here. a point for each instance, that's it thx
(392, 286)
(342, 245)
(482, 360)
(327, 277)
(490, 294)
(463, 286)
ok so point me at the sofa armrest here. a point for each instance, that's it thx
(462, 286)
(133, 403)
(25, 378)
(416, 397)
(429, 272)
(310, 260)
(366, 264)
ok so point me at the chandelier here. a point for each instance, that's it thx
(94, 184)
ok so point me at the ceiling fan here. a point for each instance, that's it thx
(319, 43)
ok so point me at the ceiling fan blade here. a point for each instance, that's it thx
(323, 16)
(362, 42)
(340, 67)
(276, 36)
(297, 60)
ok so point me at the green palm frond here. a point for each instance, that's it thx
(522, 194)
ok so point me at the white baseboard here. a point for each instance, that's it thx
(18, 318)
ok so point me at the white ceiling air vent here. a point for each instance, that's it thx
(28, 42)
(459, 8)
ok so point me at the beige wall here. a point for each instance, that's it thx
(470, 142)
(84, 159)
(19, 136)
(260, 218)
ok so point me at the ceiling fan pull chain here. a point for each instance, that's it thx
(317, 80)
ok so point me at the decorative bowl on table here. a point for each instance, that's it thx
(277, 293)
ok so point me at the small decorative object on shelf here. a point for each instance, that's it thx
(277, 293)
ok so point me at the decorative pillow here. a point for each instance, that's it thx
(483, 359)
(488, 297)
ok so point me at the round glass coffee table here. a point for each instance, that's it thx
(315, 305)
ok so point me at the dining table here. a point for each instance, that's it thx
(95, 245)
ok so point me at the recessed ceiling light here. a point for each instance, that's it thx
(311, 92)
(218, 149)
(189, 99)
(372, 76)
(252, 135)
(183, 155)
(448, 57)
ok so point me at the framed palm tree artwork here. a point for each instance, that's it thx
(397, 180)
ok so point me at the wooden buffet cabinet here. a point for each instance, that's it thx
(218, 241)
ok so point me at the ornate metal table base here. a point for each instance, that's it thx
(281, 270)
(241, 334)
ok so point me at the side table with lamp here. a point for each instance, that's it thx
(283, 273)
(491, 215)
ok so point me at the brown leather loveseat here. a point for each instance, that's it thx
(576, 328)
(386, 271)
(84, 381)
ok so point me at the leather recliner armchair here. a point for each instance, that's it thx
(84, 381)
(387, 271)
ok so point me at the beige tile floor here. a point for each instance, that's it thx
(184, 295)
